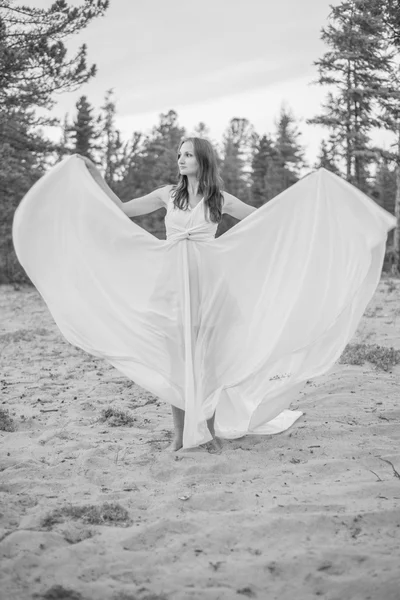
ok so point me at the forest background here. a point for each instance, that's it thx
(359, 69)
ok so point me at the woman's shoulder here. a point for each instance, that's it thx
(227, 200)
(235, 207)
(165, 192)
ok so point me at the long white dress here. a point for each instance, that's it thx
(234, 324)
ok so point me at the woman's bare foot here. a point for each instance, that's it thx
(214, 446)
(178, 416)
(175, 445)
(219, 442)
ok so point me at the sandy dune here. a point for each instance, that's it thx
(92, 511)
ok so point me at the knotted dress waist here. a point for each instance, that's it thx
(195, 233)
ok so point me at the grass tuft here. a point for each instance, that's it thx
(116, 417)
(7, 423)
(391, 286)
(383, 358)
(58, 592)
(23, 335)
(129, 596)
(109, 513)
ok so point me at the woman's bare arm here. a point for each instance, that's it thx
(235, 207)
(148, 203)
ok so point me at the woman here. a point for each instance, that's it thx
(198, 181)
(227, 330)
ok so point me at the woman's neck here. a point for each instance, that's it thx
(193, 185)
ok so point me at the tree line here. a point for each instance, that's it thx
(359, 70)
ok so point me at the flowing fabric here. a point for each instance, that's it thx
(233, 325)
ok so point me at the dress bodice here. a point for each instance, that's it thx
(190, 224)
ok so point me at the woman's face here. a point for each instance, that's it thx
(187, 162)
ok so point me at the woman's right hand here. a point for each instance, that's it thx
(97, 176)
(90, 164)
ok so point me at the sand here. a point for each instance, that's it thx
(313, 512)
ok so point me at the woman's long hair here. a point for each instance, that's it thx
(210, 182)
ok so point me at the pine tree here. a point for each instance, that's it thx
(65, 144)
(232, 170)
(201, 130)
(33, 58)
(235, 164)
(287, 141)
(265, 171)
(327, 157)
(131, 183)
(396, 233)
(388, 99)
(160, 151)
(288, 148)
(33, 66)
(111, 143)
(384, 186)
(278, 160)
(83, 132)
(392, 120)
(23, 157)
(356, 64)
(389, 12)
(238, 145)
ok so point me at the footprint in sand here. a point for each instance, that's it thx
(149, 536)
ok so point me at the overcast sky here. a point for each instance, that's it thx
(210, 60)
